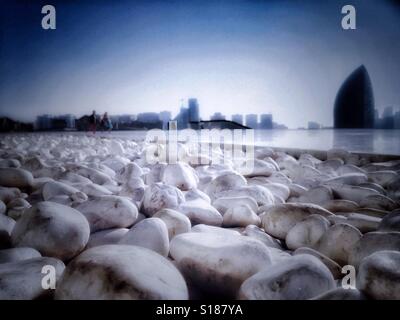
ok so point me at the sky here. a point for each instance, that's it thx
(284, 57)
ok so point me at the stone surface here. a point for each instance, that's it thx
(300, 277)
(218, 263)
(52, 229)
(113, 272)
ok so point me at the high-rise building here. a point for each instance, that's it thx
(396, 120)
(194, 115)
(266, 121)
(388, 118)
(354, 104)
(238, 118)
(182, 118)
(217, 116)
(165, 117)
(252, 121)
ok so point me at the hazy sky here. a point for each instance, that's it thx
(284, 57)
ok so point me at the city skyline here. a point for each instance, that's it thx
(281, 57)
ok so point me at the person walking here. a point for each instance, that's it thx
(93, 122)
(106, 121)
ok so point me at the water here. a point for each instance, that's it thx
(354, 140)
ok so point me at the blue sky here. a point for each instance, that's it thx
(286, 57)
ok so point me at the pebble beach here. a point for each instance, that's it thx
(110, 224)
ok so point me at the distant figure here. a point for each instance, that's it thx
(106, 122)
(93, 122)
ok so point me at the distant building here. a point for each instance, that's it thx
(397, 120)
(388, 118)
(266, 121)
(182, 118)
(280, 126)
(354, 104)
(312, 125)
(194, 113)
(217, 116)
(126, 119)
(148, 117)
(238, 118)
(44, 122)
(165, 117)
(252, 121)
(9, 125)
(69, 120)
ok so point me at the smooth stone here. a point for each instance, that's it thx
(214, 230)
(255, 232)
(278, 189)
(194, 194)
(115, 272)
(296, 190)
(224, 182)
(53, 189)
(333, 266)
(160, 196)
(180, 175)
(372, 212)
(383, 178)
(379, 201)
(52, 229)
(349, 179)
(240, 216)
(134, 189)
(374, 186)
(372, 242)
(349, 168)
(9, 163)
(318, 195)
(108, 212)
(18, 254)
(338, 241)
(116, 162)
(341, 294)
(338, 205)
(390, 222)
(109, 236)
(218, 264)
(201, 212)
(7, 225)
(3, 207)
(15, 178)
(256, 167)
(307, 232)
(224, 203)
(352, 193)
(129, 172)
(150, 233)
(362, 222)
(8, 194)
(330, 165)
(93, 190)
(22, 280)
(260, 194)
(379, 275)
(175, 221)
(279, 219)
(299, 278)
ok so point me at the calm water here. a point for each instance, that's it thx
(369, 141)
